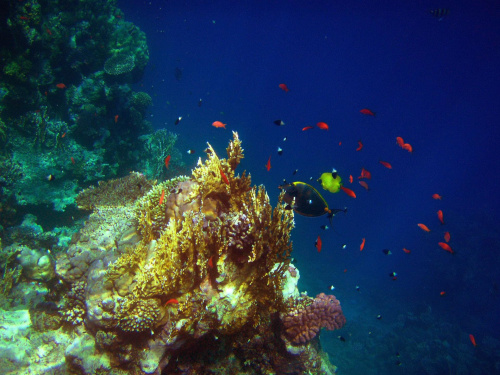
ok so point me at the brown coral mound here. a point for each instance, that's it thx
(303, 323)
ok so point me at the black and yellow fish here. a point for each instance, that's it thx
(330, 181)
(307, 201)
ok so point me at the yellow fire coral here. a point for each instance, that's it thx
(211, 242)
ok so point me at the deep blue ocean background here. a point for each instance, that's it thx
(433, 82)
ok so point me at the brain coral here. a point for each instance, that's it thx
(119, 64)
(303, 323)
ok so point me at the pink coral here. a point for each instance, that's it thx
(302, 324)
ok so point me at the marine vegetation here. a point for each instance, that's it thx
(194, 264)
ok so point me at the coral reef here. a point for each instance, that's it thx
(303, 322)
(160, 269)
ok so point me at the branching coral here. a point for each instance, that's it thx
(303, 322)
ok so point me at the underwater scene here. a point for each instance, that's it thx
(249, 187)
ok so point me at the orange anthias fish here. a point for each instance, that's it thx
(167, 161)
(171, 301)
(447, 236)
(318, 244)
(446, 247)
(408, 147)
(349, 192)
(72, 160)
(424, 227)
(367, 112)
(350, 178)
(442, 293)
(440, 217)
(364, 184)
(385, 164)
(406, 250)
(365, 174)
(472, 339)
(436, 196)
(116, 118)
(218, 124)
(283, 87)
(360, 145)
(322, 125)
(400, 141)
(162, 197)
(211, 262)
(307, 128)
(224, 177)
(268, 165)
(61, 86)
(362, 246)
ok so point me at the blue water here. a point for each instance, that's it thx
(433, 82)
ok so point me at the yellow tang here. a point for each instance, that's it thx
(330, 181)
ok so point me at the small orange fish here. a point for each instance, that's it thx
(48, 31)
(406, 250)
(424, 227)
(283, 87)
(61, 86)
(365, 174)
(345, 270)
(472, 339)
(446, 247)
(162, 197)
(362, 246)
(400, 141)
(447, 236)
(218, 124)
(322, 125)
(364, 184)
(63, 135)
(350, 178)
(211, 262)
(408, 147)
(72, 160)
(385, 164)
(224, 177)
(340, 143)
(318, 244)
(167, 161)
(349, 192)
(307, 128)
(440, 217)
(360, 145)
(436, 196)
(268, 165)
(116, 118)
(442, 293)
(171, 301)
(367, 112)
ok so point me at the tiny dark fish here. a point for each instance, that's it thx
(280, 151)
(279, 122)
(178, 74)
(398, 363)
(341, 338)
(379, 316)
(288, 207)
(284, 139)
(199, 102)
(178, 120)
(387, 252)
(324, 227)
(358, 288)
(51, 177)
(440, 13)
(190, 152)
(295, 172)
